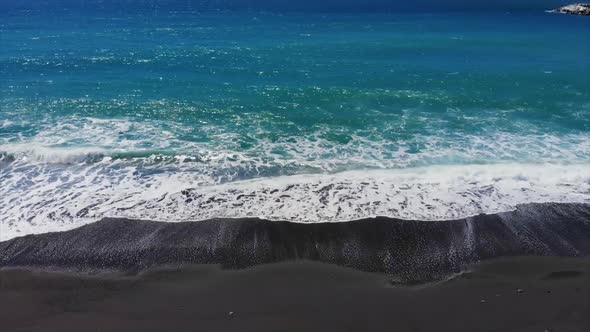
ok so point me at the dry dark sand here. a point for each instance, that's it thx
(302, 296)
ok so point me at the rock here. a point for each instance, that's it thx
(231, 313)
(520, 291)
(483, 301)
(575, 9)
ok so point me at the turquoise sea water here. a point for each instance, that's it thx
(306, 117)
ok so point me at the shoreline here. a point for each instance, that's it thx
(416, 193)
(517, 294)
(524, 270)
(408, 252)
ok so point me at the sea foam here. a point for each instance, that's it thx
(82, 169)
(60, 200)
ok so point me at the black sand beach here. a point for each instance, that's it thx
(409, 252)
(302, 296)
(524, 270)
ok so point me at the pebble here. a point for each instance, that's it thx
(520, 291)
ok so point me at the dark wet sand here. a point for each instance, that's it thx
(410, 251)
(302, 296)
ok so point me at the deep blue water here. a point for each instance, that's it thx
(117, 113)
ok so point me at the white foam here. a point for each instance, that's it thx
(81, 169)
(37, 153)
(73, 138)
(6, 123)
(57, 200)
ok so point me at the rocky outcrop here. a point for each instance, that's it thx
(575, 9)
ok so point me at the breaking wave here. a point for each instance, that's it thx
(38, 200)
(83, 169)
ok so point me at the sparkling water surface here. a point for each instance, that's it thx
(305, 117)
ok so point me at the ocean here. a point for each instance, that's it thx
(306, 117)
